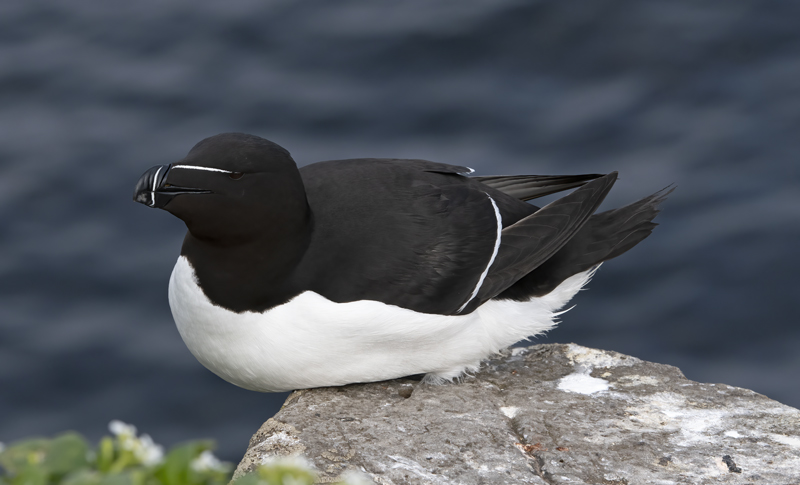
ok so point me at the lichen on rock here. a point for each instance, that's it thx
(544, 414)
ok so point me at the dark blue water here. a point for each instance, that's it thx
(92, 93)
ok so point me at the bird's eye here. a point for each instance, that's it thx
(236, 175)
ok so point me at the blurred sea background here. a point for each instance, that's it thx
(704, 95)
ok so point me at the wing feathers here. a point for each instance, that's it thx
(527, 187)
(605, 236)
(531, 241)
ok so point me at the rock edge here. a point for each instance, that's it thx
(544, 414)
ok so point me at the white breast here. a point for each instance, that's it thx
(313, 342)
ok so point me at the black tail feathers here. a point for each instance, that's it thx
(603, 237)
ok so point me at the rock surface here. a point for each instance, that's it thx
(546, 414)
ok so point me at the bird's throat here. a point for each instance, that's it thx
(254, 276)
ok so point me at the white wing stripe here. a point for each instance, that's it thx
(494, 253)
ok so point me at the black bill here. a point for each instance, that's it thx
(153, 191)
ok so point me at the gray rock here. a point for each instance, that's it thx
(546, 414)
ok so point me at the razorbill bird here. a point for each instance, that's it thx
(370, 269)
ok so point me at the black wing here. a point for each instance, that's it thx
(603, 237)
(527, 187)
(416, 234)
(531, 241)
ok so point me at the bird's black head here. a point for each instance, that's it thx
(230, 188)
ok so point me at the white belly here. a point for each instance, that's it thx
(314, 342)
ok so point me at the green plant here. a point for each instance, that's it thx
(121, 459)
(128, 459)
(280, 472)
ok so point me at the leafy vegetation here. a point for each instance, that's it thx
(127, 459)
